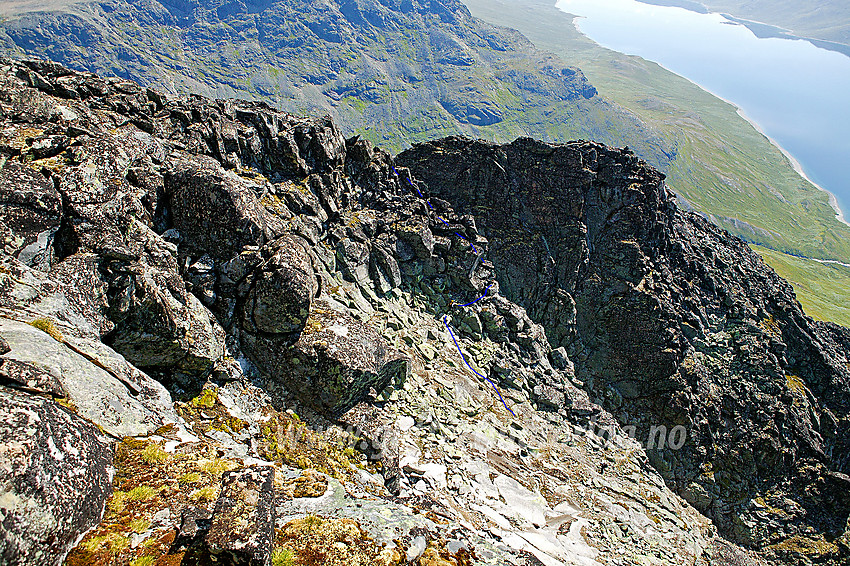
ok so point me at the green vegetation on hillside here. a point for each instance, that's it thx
(822, 288)
(393, 75)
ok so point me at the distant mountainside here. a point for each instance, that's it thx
(827, 20)
(396, 71)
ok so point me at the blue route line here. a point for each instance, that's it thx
(479, 298)
(409, 182)
(445, 321)
(496, 389)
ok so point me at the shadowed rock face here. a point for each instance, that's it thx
(670, 321)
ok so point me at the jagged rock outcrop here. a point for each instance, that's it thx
(411, 352)
(670, 321)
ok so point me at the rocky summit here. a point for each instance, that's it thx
(229, 335)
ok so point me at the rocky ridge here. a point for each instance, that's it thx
(669, 321)
(248, 310)
(398, 72)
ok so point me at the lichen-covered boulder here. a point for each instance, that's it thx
(418, 236)
(54, 479)
(242, 529)
(281, 290)
(333, 363)
(215, 211)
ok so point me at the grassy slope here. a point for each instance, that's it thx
(822, 289)
(724, 167)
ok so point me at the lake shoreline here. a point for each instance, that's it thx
(795, 164)
(761, 29)
(833, 200)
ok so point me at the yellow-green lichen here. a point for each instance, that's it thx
(315, 541)
(204, 494)
(205, 412)
(206, 399)
(146, 560)
(274, 204)
(46, 325)
(282, 557)
(139, 525)
(67, 403)
(189, 478)
(216, 466)
(111, 543)
(287, 439)
(812, 547)
(795, 384)
(141, 493)
(145, 484)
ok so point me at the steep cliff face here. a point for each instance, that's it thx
(292, 345)
(670, 321)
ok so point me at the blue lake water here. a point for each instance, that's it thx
(797, 94)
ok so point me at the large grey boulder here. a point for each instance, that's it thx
(97, 381)
(282, 290)
(353, 258)
(65, 358)
(418, 236)
(384, 269)
(333, 363)
(54, 479)
(216, 211)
